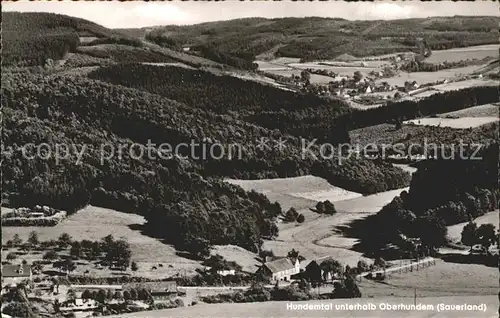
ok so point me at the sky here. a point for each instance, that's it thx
(133, 14)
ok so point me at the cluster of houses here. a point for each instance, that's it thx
(162, 291)
(287, 269)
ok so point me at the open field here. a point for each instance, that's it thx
(279, 309)
(459, 123)
(455, 231)
(316, 237)
(442, 279)
(245, 258)
(428, 77)
(459, 54)
(146, 251)
(487, 110)
(299, 192)
(258, 78)
(368, 204)
(464, 84)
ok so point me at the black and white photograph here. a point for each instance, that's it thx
(250, 159)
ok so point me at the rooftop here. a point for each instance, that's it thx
(23, 270)
(280, 265)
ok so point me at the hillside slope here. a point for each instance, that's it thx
(186, 195)
(321, 38)
(31, 38)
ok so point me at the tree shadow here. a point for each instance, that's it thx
(362, 230)
(489, 261)
(147, 230)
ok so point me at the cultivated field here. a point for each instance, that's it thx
(279, 309)
(318, 235)
(428, 77)
(464, 84)
(442, 279)
(459, 123)
(455, 231)
(459, 54)
(487, 110)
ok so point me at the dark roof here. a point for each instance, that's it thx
(318, 261)
(280, 265)
(23, 270)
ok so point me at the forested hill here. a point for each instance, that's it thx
(31, 38)
(186, 196)
(34, 38)
(320, 38)
(308, 115)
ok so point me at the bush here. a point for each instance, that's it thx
(301, 218)
(11, 256)
(363, 266)
(347, 289)
(380, 262)
(134, 266)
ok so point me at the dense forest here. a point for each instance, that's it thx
(293, 113)
(186, 196)
(244, 62)
(443, 192)
(325, 38)
(31, 38)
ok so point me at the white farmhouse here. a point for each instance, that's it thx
(281, 269)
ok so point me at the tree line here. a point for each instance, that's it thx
(442, 193)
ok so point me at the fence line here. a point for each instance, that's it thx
(405, 266)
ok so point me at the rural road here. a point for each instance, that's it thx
(229, 287)
(396, 268)
(282, 284)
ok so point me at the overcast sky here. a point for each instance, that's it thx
(139, 14)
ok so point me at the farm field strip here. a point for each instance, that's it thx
(332, 195)
(474, 279)
(458, 123)
(460, 54)
(428, 77)
(487, 110)
(464, 84)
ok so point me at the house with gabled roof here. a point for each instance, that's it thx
(14, 274)
(280, 269)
